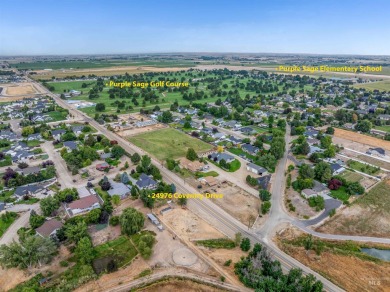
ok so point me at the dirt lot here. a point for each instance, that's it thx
(237, 202)
(179, 285)
(344, 137)
(350, 272)
(189, 226)
(369, 215)
(21, 89)
(220, 256)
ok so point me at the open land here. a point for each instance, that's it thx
(350, 270)
(369, 215)
(168, 143)
(344, 135)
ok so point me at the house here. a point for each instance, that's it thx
(209, 180)
(376, 152)
(82, 205)
(336, 168)
(102, 166)
(104, 156)
(217, 157)
(36, 136)
(118, 188)
(313, 141)
(311, 133)
(193, 166)
(235, 140)
(8, 135)
(314, 149)
(384, 117)
(248, 148)
(256, 169)
(145, 182)
(77, 130)
(28, 170)
(74, 92)
(318, 190)
(263, 181)
(70, 145)
(49, 228)
(21, 156)
(247, 130)
(57, 134)
(27, 190)
(219, 136)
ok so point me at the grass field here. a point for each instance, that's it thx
(100, 64)
(121, 249)
(6, 223)
(378, 197)
(385, 128)
(340, 194)
(351, 176)
(380, 85)
(217, 243)
(168, 143)
(356, 165)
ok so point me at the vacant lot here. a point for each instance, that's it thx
(369, 215)
(351, 176)
(348, 269)
(168, 143)
(356, 165)
(363, 139)
(374, 161)
(179, 285)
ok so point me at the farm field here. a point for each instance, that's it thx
(369, 215)
(352, 176)
(360, 138)
(380, 85)
(168, 143)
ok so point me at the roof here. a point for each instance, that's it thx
(70, 144)
(379, 150)
(250, 148)
(145, 181)
(58, 132)
(257, 167)
(23, 190)
(48, 227)
(83, 202)
(319, 187)
(309, 192)
(264, 181)
(335, 166)
(221, 156)
(29, 170)
(191, 165)
(118, 189)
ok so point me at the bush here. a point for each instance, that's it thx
(114, 220)
(227, 263)
(265, 207)
(245, 244)
(64, 263)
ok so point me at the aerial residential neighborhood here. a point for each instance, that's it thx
(191, 160)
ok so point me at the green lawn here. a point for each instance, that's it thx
(380, 85)
(121, 249)
(33, 143)
(5, 223)
(217, 243)
(235, 165)
(29, 201)
(238, 152)
(168, 143)
(340, 194)
(385, 128)
(209, 173)
(57, 115)
(356, 165)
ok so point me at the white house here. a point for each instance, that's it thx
(82, 205)
(256, 169)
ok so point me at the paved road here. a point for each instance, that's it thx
(330, 204)
(225, 223)
(11, 233)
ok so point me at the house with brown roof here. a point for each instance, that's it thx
(49, 228)
(83, 205)
(193, 166)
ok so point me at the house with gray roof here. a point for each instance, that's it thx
(248, 148)
(217, 157)
(57, 134)
(70, 145)
(146, 182)
(256, 169)
(118, 188)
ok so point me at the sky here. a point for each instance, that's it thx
(48, 27)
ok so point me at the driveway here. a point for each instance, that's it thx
(64, 178)
(330, 204)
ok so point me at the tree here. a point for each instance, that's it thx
(355, 188)
(75, 232)
(166, 117)
(305, 171)
(277, 147)
(27, 131)
(334, 184)
(187, 125)
(265, 195)
(145, 163)
(22, 165)
(363, 126)
(131, 221)
(245, 244)
(100, 107)
(117, 151)
(191, 154)
(265, 207)
(135, 158)
(106, 185)
(329, 131)
(36, 220)
(322, 171)
(330, 152)
(182, 201)
(116, 199)
(30, 252)
(326, 141)
(84, 251)
(49, 205)
(93, 216)
(237, 238)
(308, 242)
